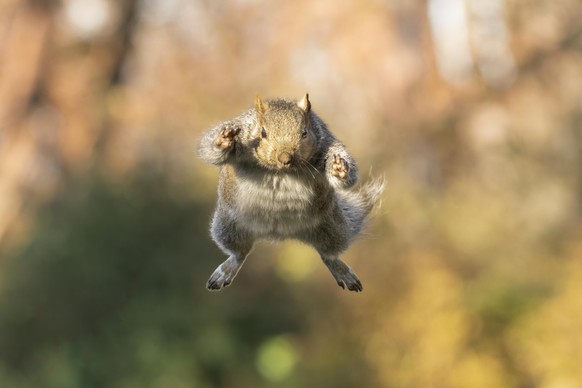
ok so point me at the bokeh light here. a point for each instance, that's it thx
(471, 110)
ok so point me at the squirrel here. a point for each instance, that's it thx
(284, 175)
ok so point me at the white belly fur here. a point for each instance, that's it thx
(276, 206)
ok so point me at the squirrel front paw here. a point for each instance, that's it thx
(339, 167)
(225, 139)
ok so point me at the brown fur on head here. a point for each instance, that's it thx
(285, 137)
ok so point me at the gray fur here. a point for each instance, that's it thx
(284, 175)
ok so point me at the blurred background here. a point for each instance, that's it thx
(472, 271)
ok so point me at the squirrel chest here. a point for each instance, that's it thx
(275, 204)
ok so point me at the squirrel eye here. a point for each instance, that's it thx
(304, 133)
(263, 132)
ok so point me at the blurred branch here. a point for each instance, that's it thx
(123, 41)
(124, 36)
(22, 62)
(22, 65)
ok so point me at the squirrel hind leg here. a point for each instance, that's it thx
(225, 273)
(343, 274)
(235, 242)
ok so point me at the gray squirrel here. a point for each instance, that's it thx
(284, 175)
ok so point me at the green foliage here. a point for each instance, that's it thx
(110, 292)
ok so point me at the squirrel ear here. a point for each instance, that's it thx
(304, 104)
(259, 105)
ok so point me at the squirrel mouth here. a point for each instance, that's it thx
(286, 167)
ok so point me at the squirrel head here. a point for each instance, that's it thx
(284, 136)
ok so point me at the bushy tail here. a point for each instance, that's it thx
(358, 203)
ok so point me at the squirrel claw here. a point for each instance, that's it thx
(353, 284)
(340, 167)
(214, 285)
(357, 286)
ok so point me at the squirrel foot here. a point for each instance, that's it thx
(340, 167)
(224, 274)
(343, 274)
(225, 139)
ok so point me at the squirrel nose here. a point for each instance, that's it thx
(285, 158)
